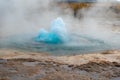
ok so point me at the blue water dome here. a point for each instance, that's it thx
(57, 33)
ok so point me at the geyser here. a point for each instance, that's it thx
(56, 34)
(87, 34)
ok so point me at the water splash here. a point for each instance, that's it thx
(57, 33)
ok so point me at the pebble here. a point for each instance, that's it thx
(3, 61)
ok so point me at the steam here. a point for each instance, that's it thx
(29, 16)
(98, 22)
(23, 16)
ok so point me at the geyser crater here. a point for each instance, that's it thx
(57, 33)
(57, 41)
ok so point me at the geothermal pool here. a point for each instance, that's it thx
(79, 44)
(57, 41)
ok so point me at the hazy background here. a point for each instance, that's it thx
(29, 16)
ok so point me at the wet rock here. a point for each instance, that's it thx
(118, 78)
(6, 78)
(32, 64)
(116, 64)
(66, 67)
(109, 52)
(31, 69)
(3, 61)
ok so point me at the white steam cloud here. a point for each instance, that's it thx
(28, 16)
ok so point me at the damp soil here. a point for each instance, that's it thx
(29, 69)
(32, 66)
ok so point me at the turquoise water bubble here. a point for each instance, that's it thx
(56, 34)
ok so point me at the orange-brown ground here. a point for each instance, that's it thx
(19, 65)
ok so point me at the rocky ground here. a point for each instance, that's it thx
(19, 65)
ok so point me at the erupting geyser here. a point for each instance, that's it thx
(56, 34)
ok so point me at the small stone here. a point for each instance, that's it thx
(3, 61)
(32, 64)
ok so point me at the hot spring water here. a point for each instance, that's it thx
(55, 41)
(56, 34)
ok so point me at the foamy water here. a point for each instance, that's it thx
(79, 44)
